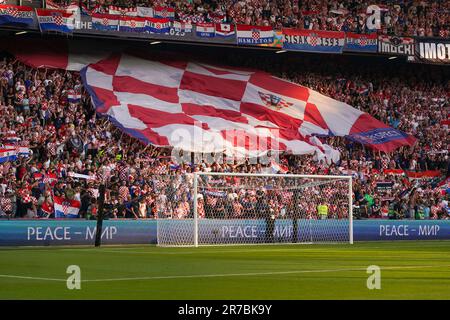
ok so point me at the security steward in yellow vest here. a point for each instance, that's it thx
(322, 210)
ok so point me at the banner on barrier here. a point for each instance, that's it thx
(180, 29)
(158, 25)
(432, 50)
(55, 20)
(225, 30)
(78, 231)
(205, 30)
(361, 42)
(313, 40)
(396, 45)
(277, 41)
(105, 22)
(254, 35)
(132, 24)
(16, 15)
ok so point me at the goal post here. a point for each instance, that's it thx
(241, 208)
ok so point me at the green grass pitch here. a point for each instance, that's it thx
(409, 270)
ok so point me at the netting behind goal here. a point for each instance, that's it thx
(223, 209)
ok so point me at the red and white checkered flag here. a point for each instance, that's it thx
(256, 34)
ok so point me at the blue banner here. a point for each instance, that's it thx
(74, 232)
(378, 136)
(361, 42)
(313, 40)
(82, 232)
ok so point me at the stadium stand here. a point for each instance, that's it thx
(402, 18)
(48, 118)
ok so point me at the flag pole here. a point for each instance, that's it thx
(101, 202)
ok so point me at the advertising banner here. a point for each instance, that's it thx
(82, 232)
(313, 40)
(396, 45)
(74, 232)
(16, 15)
(432, 50)
(254, 35)
(361, 42)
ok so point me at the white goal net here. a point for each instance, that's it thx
(233, 208)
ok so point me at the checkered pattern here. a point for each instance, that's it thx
(6, 204)
(161, 169)
(159, 185)
(105, 21)
(123, 172)
(313, 40)
(268, 101)
(65, 206)
(443, 33)
(13, 12)
(58, 19)
(385, 163)
(123, 193)
(26, 197)
(51, 147)
(256, 35)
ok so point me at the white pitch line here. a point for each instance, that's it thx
(127, 251)
(225, 274)
(30, 278)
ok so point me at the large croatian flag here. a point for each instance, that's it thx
(55, 20)
(105, 22)
(16, 15)
(200, 107)
(65, 208)
(254, 35)
(8, 154)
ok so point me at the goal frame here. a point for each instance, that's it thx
(231, 174)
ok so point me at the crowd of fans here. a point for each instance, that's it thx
(407, 17)
(60, 138)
